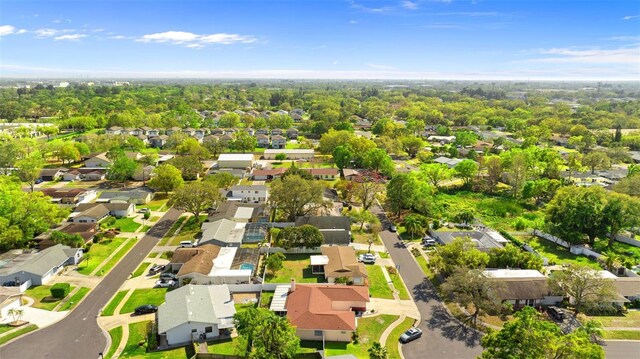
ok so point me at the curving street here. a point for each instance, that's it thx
(78, 335)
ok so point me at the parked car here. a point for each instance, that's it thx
(165, 283)
(392, 228)
(411, 334)
(156, 269)
(429, 242)
(168, 276)
(367, 258)
(144, 210)
(146, 309)
(11, 283)
(186, 244)
(556, 313)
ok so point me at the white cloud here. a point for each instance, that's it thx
(21, 31)
(6, 30)
(71, 37)
(49, 32)
(335, 62)
(380, 67)
(411, 5)
(183, 37)
(353, 22)
(625, 55)
(631, 17)
(195, 46)
(118, 37)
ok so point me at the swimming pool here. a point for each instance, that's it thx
(247, 266)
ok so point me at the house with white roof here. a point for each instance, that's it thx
(195, 312)
(235, 160)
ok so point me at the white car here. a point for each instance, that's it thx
(165, 283)
(367, 258)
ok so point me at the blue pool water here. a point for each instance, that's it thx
(247, 266)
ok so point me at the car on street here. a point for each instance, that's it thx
(411, 334)
(155, 269)
(367, 258)
(168, 276)
(146, 309)
(165, 283)
(392, 228)
(556, 313)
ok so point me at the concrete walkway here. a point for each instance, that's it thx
(123, 342)
(40, 317)
(385, 334)
(365, 247)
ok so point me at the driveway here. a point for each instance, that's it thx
(78, 335)
(40, 317)
(444, 337)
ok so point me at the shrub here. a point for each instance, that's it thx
(60, 290)
(520, 224)
(392, 270)
(415, 252)
(108, 221)
(147, 215)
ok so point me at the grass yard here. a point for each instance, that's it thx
(378, 286)
(369, 330)
(145, 229)
(399, 285)
(116, 337)
(142, 268)
(138, 333)
(189, 230)
(226, 347)
(97, 254)
(116, 258)
(42, 296)
(630, 320)
(159, 201)
(154, 218)
(241, 307)
(113, 304)
(172, 231)
(24, 330)
(624, 250)
(126, 224)
(5, 328)
(265, 299)
(139, 297)
(394, 337)
(296, 266)
(557, 254)
(363, 237)
(622, 334)
(75, 299)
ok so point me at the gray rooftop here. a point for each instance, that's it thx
(38, 263)
(222, 230)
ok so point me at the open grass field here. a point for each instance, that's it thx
(363, 237)
(113, 304)
(265, 299)
(622, 334)
(378, 286)
(139, 297)
(629, 320)
(97, 254)
(226, 347)
(296, 266)
(557, 254)
(370, 329)
(116, 258)
(42, 297)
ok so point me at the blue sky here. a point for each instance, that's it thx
(436, 39)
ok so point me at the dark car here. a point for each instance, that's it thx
(556, 313)
(10, 283)
(411, 334)
(156, 269)
(146, 309)
(392, 228)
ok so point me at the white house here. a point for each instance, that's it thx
(235, 160)
(37, 268)
(249, 194)
(98, 161)
(194, 312)
(299, 154)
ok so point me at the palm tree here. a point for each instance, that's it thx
(377, 351)
(414, 223)
(611, 261)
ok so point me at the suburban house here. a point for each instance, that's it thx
(172, 130)
(210, 264)
(268, 174)
(195, 312)
(523, 287)
(136, 196)
(450, 162)
(262, 131)
(235, 160)
(114, 130)
(262, 141)
(98, 161)
(299, 154)
(72, 175)
(278, 141)
(442, 139)
(296, 117)
(69, 196)
(116, 209)
(10, 298)
(52, 174)
(92, 175)
(238, 212)
(628, 287)
(321, 311)
(339, 262)
(323, 173)
(483, 240)
(158, 141)
(248, 194)
(336, 230)
(92, 214)
(351, 174)
(223, 233)
(292, 133)
(85, 230)
(36, 268)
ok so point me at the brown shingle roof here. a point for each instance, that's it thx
(342, 262)
(195, 260)
(523, 288)
(322, 171)
(311, 306)
(627, 286)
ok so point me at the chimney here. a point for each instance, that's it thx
(293, 285)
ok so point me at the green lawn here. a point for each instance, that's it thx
(188, 231)
(137, 334)
(113, 304)
(42, 296)
(378, 286)
(394, 337)
(154, 218)
(97, 254)
(631, 320)
(399, 285)
(116, 258)
(126, 224)
(145, 229)
(296, 266)
(226, 347)
(557, 254)
(24, 330)
(142, 268)
(622, 334)
(139, 297)
(116, 337)
(172, 231)
(369, 330)
(363, 237)
(265, 299)
(75, 299)
(624, 250)
(241, 307)
(5, 328)
(159, 201)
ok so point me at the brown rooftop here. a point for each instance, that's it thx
(195, 260)
(342, 262)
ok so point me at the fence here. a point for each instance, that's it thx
(253, 288)
(304, 250)
(627, 240)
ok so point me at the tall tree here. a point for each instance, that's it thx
(305, 236)
(411, 145)
(472, 287)
(460, 253)
(196, 197)
(620, 212)
(415, 223)
(28, 170)
(166, 178)
(467, 169)
(596, 160)
(222, 179)
(244, 142)
(401, 192)
(493, 164)
(274, 261)
(435, 173)
(295, 196)
(122, 169)
(367, 188)
(584, 286)
(189, 166)
(342, 156)
(268, 335)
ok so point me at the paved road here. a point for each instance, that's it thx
(443, 337)
(78, 335)
(621, 349)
